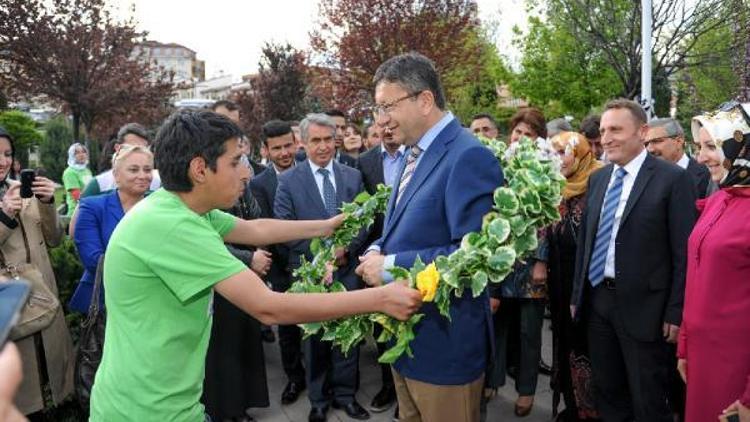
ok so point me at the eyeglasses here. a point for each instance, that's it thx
(380, 110)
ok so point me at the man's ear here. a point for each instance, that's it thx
(197, 170)
(426, 101)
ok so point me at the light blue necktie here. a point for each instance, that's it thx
(604, 232)
(329, 193)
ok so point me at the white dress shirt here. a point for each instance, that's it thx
(683, 161)
(319, 177)
(633, 167)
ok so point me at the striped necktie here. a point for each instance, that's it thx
(604, 232)
(329, 193)
(411, 165)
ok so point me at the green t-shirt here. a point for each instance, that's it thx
(74, 179)
(160, 268)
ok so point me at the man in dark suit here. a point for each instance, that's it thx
(281, 145)
(339, 118)
(441, 193)
(666, 140)
(380, 165)
(314, 190)
(630, 268)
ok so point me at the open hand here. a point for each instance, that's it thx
(400, 301)
(682, 369)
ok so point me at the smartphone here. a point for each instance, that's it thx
(27, 178)
(729, 417)
(13, 296)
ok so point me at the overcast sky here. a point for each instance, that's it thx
(229, 34)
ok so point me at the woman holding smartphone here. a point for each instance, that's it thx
(27, 227)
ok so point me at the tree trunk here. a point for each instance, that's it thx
(76, 125)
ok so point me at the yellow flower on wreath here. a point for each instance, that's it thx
(427, 282)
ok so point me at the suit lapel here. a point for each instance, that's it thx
(340, 186)
(644, 175)
(114, 206)
(377, 166)
(597, 198)
(431, 158)
(307, 182)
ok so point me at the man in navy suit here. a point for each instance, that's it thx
(315, 189)
(442, 192)
(629, 281)
(281, 144)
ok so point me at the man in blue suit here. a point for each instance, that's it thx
(314, 190)
(442, 192)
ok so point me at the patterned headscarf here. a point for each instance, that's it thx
(72, 156)
(584, 162)
(729, 128)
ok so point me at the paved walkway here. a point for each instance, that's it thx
(499, 409)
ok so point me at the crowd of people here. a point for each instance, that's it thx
(644, 276)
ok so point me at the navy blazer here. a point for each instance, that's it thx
(298, 198)
(97, 218)
(449, 193)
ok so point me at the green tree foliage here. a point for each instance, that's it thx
(558, 74)
(24, 132)
(53, 150)
(472, 91)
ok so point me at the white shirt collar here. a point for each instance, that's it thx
(683, 161)
(635, 164)
(314, 167)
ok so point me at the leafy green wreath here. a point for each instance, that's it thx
(528, 202)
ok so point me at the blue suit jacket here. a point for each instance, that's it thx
(97, 218)
(298, 198)
(449, 193)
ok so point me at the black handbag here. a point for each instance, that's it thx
(91, 343)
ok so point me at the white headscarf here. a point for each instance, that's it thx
(72, 157)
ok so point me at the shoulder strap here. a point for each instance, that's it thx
(94, 305)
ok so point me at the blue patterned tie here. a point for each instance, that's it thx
(604, 232)
(329, 193)
(411, 165)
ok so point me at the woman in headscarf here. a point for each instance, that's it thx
(571, 369)
(76, 176)
(27, 228)
(714, 346)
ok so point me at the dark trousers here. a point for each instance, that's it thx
(290, 343)
(328, 370)
(630, 376)
(530, 315)
(386, 376)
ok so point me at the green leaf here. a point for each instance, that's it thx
(315, 246)
(417, 268)
(502, 260)
(362, 197)
(399, 273)
(526, 242)
(499, 229)
(478, 283)
(506, 201)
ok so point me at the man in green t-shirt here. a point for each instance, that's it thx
(166, 259)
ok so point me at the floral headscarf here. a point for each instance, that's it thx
(584, 162)
(729, 128)
(72, 156)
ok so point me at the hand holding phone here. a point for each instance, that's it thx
(27, 179)
(731, 416)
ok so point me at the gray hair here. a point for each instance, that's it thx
(671, 126)
(132, 129)
(319, 119)
(556, 126)
(415, 73)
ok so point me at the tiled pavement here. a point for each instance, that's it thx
(499, 409)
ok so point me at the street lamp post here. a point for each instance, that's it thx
(646, 22)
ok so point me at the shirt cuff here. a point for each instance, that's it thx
(373, 247)
(388, 263)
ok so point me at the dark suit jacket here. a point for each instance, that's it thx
(263, 187)
(700, 175)
(447, 197)
(650, 248)
(370, 164)
(298, 198)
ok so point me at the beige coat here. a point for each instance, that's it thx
(39, 221)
